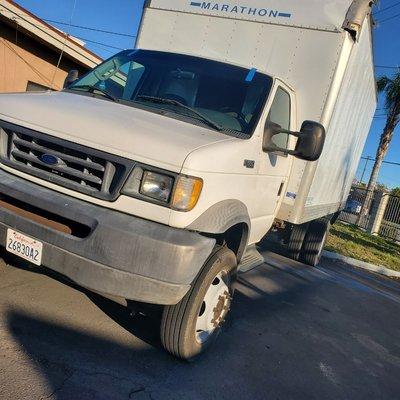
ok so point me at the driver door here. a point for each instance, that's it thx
(275, 167)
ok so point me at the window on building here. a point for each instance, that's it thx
(36, 87)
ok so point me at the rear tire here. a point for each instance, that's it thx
(296, 241)
(184, 326)
(314, 242)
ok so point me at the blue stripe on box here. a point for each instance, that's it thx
(195, 4)
(285, 15)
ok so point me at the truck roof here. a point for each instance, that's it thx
(327, 15)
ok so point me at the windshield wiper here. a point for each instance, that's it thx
(161, 100)
(92, 89)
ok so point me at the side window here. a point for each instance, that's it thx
(133, 72)
(280, 114)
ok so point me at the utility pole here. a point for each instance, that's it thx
(367, 159)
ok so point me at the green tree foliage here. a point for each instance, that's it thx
(395, 192)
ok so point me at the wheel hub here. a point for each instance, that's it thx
(221, 309)
(215, 307)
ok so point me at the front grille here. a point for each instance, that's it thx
(74, 166)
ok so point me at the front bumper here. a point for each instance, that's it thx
(121, 255)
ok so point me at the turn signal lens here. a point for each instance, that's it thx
(187, 192)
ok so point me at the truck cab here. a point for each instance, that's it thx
(152, 177)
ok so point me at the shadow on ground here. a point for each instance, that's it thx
(295, 333)
(77, 364)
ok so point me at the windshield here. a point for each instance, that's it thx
(218, 95)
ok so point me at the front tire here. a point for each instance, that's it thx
(191, 326)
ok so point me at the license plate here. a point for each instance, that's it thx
(24, 246)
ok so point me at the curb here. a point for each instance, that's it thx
(362, 264)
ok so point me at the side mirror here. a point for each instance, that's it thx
(72, 76)
(310, 143)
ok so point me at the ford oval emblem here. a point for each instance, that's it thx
(49, 159)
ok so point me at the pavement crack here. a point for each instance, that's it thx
(135, 391)
(61, 385)
(110, 375)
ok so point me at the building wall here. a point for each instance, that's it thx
(23, 59)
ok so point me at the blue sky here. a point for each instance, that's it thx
(124, 16)
(117, 16)
(387, 53)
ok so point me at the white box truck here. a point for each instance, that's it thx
(152, 177)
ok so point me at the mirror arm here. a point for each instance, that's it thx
(273, 148)
(292, 133)
(292, 152)
(281, 150)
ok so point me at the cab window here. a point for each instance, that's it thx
(280, 114)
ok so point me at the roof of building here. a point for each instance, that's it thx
(47, 34)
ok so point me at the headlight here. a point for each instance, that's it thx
(178, 192)
(156, 186)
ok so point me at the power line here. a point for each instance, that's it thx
(93, 42)
(384, 162)
(388, 19)
(91, 29)
(98, 43)
(36, 71)
(98, 48)
(387, 8)
(387, 66)
(64, 23)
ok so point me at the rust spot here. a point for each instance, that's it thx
(35, 217)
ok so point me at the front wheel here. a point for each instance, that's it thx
(191, 326)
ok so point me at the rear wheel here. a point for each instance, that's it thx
(314, 242)
(191, 326)
(296, 240)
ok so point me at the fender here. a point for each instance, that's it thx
(221, 216)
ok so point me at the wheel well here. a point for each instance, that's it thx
(235, 238)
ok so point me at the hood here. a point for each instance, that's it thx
(111, 127)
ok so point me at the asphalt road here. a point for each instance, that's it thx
(295, 333)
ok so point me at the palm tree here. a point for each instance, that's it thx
(391, 88)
